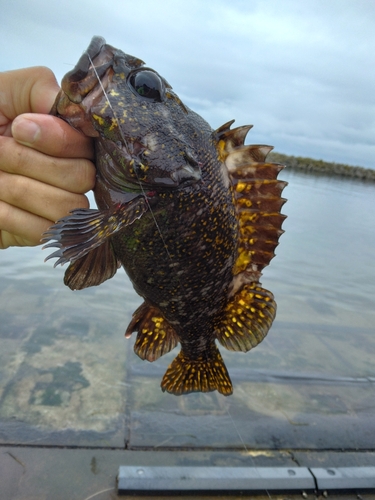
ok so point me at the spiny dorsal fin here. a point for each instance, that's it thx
(257, 197)
(232, 137)
(224, 128)
(250, 155)
(155, 335)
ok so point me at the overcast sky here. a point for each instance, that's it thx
(301, 71)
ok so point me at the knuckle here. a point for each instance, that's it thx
(82, 201)
(82, 177)
(4, 214)
(14, 158)
(15, 187)
(45, 73)
(88, 176)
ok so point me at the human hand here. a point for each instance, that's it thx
(45, 166)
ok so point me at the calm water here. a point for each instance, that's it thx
(68, 376)
(325, 257)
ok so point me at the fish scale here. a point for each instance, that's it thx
(191, 213)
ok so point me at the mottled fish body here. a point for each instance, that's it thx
(191, 213)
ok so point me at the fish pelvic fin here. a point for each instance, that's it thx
(93, 268)
(247, 318)
(155, 335)
(205, 374)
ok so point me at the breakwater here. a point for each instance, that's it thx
(331, 168)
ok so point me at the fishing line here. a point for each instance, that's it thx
(238, 432)
(138, 179)
(124, 140)
(242, 441)
(156, 224)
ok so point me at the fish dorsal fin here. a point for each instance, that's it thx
(233, 137)
(258, 201)
(155, 335)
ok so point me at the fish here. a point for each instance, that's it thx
(192, 214)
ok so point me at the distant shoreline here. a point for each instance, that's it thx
(310, 165)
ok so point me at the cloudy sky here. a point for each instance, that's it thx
(302, 72)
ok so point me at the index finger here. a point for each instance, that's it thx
(52, 136)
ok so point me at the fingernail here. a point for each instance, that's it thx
(25, 131)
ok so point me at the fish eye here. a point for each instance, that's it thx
(147, 84)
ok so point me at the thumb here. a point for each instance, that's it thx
(29, 90)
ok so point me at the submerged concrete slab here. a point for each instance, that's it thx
(62, 389)
(281, 399)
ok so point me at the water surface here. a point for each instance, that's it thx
(67, 375)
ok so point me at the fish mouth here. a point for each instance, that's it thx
(186, 175)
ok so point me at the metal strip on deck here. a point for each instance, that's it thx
(344, 478)
(145, 479)
(140, 479)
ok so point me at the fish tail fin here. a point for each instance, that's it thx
(205, 374)
(247, 318)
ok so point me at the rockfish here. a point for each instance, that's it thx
(191, 213)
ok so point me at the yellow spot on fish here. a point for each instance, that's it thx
(221, 149)
(114, 124)
(99, 119)
(240, 186)
(104, 108)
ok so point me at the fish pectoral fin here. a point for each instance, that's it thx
(247, 318)
(85, 229)
(155, 336)
(93, 268)
(205, 374)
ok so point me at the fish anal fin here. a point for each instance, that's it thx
(93, 268)
(205, 374)
(155, 335)
(247, 318)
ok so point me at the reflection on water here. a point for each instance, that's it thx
(67, 376)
